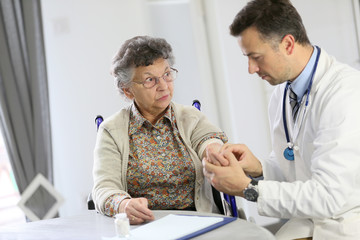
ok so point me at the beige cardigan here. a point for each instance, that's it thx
(111, 154)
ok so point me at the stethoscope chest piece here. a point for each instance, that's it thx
(289, 154)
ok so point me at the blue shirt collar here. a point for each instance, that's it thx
(300, 84)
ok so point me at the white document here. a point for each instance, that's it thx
(172, 227)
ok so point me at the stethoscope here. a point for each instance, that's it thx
(289, 151)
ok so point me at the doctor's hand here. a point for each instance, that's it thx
(251, 165)
(137, 210)
(209, 154)
(230, 179)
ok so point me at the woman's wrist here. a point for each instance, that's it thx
(123, 204)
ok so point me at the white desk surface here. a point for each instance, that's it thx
(93, 225)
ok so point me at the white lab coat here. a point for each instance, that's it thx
(320, 189)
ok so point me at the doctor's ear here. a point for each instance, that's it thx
(288, 43)
(128, 93)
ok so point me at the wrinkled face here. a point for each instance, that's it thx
(151, 101)
(269, 63)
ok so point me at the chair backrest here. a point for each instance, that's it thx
(90, 201)
(98, 120)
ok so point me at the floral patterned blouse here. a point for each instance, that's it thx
(160, 168)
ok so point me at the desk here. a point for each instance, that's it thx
(93, 225)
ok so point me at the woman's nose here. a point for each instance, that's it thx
(162, 84)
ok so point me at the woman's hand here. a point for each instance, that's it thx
(137, 210)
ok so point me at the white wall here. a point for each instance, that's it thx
(181, 23)
(331, 25)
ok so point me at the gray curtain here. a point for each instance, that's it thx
(24, 101)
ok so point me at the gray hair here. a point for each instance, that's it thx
(135, 52)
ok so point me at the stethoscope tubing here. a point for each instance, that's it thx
(290, 144)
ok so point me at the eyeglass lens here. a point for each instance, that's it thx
(168, 77)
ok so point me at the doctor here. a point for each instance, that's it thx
(312, 176)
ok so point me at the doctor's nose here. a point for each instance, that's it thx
(253, 67)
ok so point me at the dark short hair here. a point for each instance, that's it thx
(274, 19)
(135, 52)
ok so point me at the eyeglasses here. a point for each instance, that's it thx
(150, 82)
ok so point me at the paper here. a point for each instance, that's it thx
(173, 227)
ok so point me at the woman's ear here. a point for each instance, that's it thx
(128, 93)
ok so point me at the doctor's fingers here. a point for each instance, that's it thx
(235, 167)
(240, 151)
(216, 158)
(214, 173)
(248, 165)
(247, 160)
(225, 146)
(210, 150)
(231, 158)
(211, 171)
(228, 179)
(212, 161)
(208, 166)
(210, 175)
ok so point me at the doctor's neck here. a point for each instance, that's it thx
(300, 58)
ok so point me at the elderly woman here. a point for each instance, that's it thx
(148, 155)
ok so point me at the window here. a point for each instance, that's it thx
(10, 213)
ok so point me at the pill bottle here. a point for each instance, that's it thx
(122, 225)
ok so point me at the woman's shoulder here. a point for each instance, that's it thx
(185, 110)
(117, 119)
